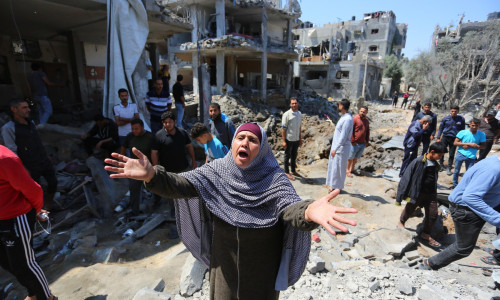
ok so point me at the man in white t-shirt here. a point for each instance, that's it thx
(292, 137)
(124, 114)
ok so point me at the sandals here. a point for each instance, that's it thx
(431, 243)
(490, 260)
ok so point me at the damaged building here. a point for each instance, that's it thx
(68, 38)
(338, 59)
(245, 43)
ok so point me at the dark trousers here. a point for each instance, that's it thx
(429, 203)
(17, 255)
(426, 140)
(448, 141)
(90, 143)
(291, 155)
(410, 154)
(484, 152)
(468, 226)
(135, 187)
(155, 126)
(405, 101)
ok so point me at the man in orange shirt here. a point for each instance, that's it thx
(360, 138)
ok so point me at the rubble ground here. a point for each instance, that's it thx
(88, 259)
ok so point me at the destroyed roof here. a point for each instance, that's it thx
(293, 11)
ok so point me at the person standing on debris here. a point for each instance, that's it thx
(21, 203)
(429, 134)
(468, 142)
(473, 202)
(180, 103)
(241, 216)
(38, 82)
(416, 108)
(164, 74)
(412, 141)
(291, 132)
(124, 112)
(104, 135)
(169, 151)
(418, 186)
(157, 101)
(448, 129)
(214, 149)
(144, 141)
(341, 147)
(220, 125)
(405, 100)
(395, 98)
(489, 125)
(21, 137)
(360, 138)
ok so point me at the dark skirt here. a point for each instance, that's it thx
(244, 262)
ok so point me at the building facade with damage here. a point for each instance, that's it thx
(335, 58)
(68, 38)
(245, 43)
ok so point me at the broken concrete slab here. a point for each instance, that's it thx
(192, 276)
(394, 242)
(104, 184)
(315, 264)
(159, 286)
(148, 226)
(150, 294)
(107, 255)
(405, 286)
(411, 255)
(396, 142)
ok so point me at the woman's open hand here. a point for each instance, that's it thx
(126, 167)
(327, 215)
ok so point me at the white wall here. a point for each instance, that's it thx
(95, 54)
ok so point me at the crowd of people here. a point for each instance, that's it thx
(238, 212)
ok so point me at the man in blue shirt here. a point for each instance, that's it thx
(468, 142)
(412, 141)
(214, 149)
(448, 129)
(473, 202)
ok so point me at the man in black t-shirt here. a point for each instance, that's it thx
(489, 125)
(144, 141)
(169, 151)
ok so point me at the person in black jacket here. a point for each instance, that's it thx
(418, 186)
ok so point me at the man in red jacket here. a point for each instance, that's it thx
(360, 138)
(20, 205)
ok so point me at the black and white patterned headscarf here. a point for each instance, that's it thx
(250, 197)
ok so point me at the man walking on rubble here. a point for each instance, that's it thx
(21, 203)
(412, 141)
(448, 129)
(38, 83)
(291, 133)
(360, 138)
(341, 147)
(405, 100)
(489, 125)
(418, 186)
(473, 202)
(468, 142)
(144, 141)
(430, 132)
(169, 151)
(21, 137)
(220, 125)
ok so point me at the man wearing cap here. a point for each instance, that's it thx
(489, 125)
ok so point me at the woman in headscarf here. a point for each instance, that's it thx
(241, 216)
